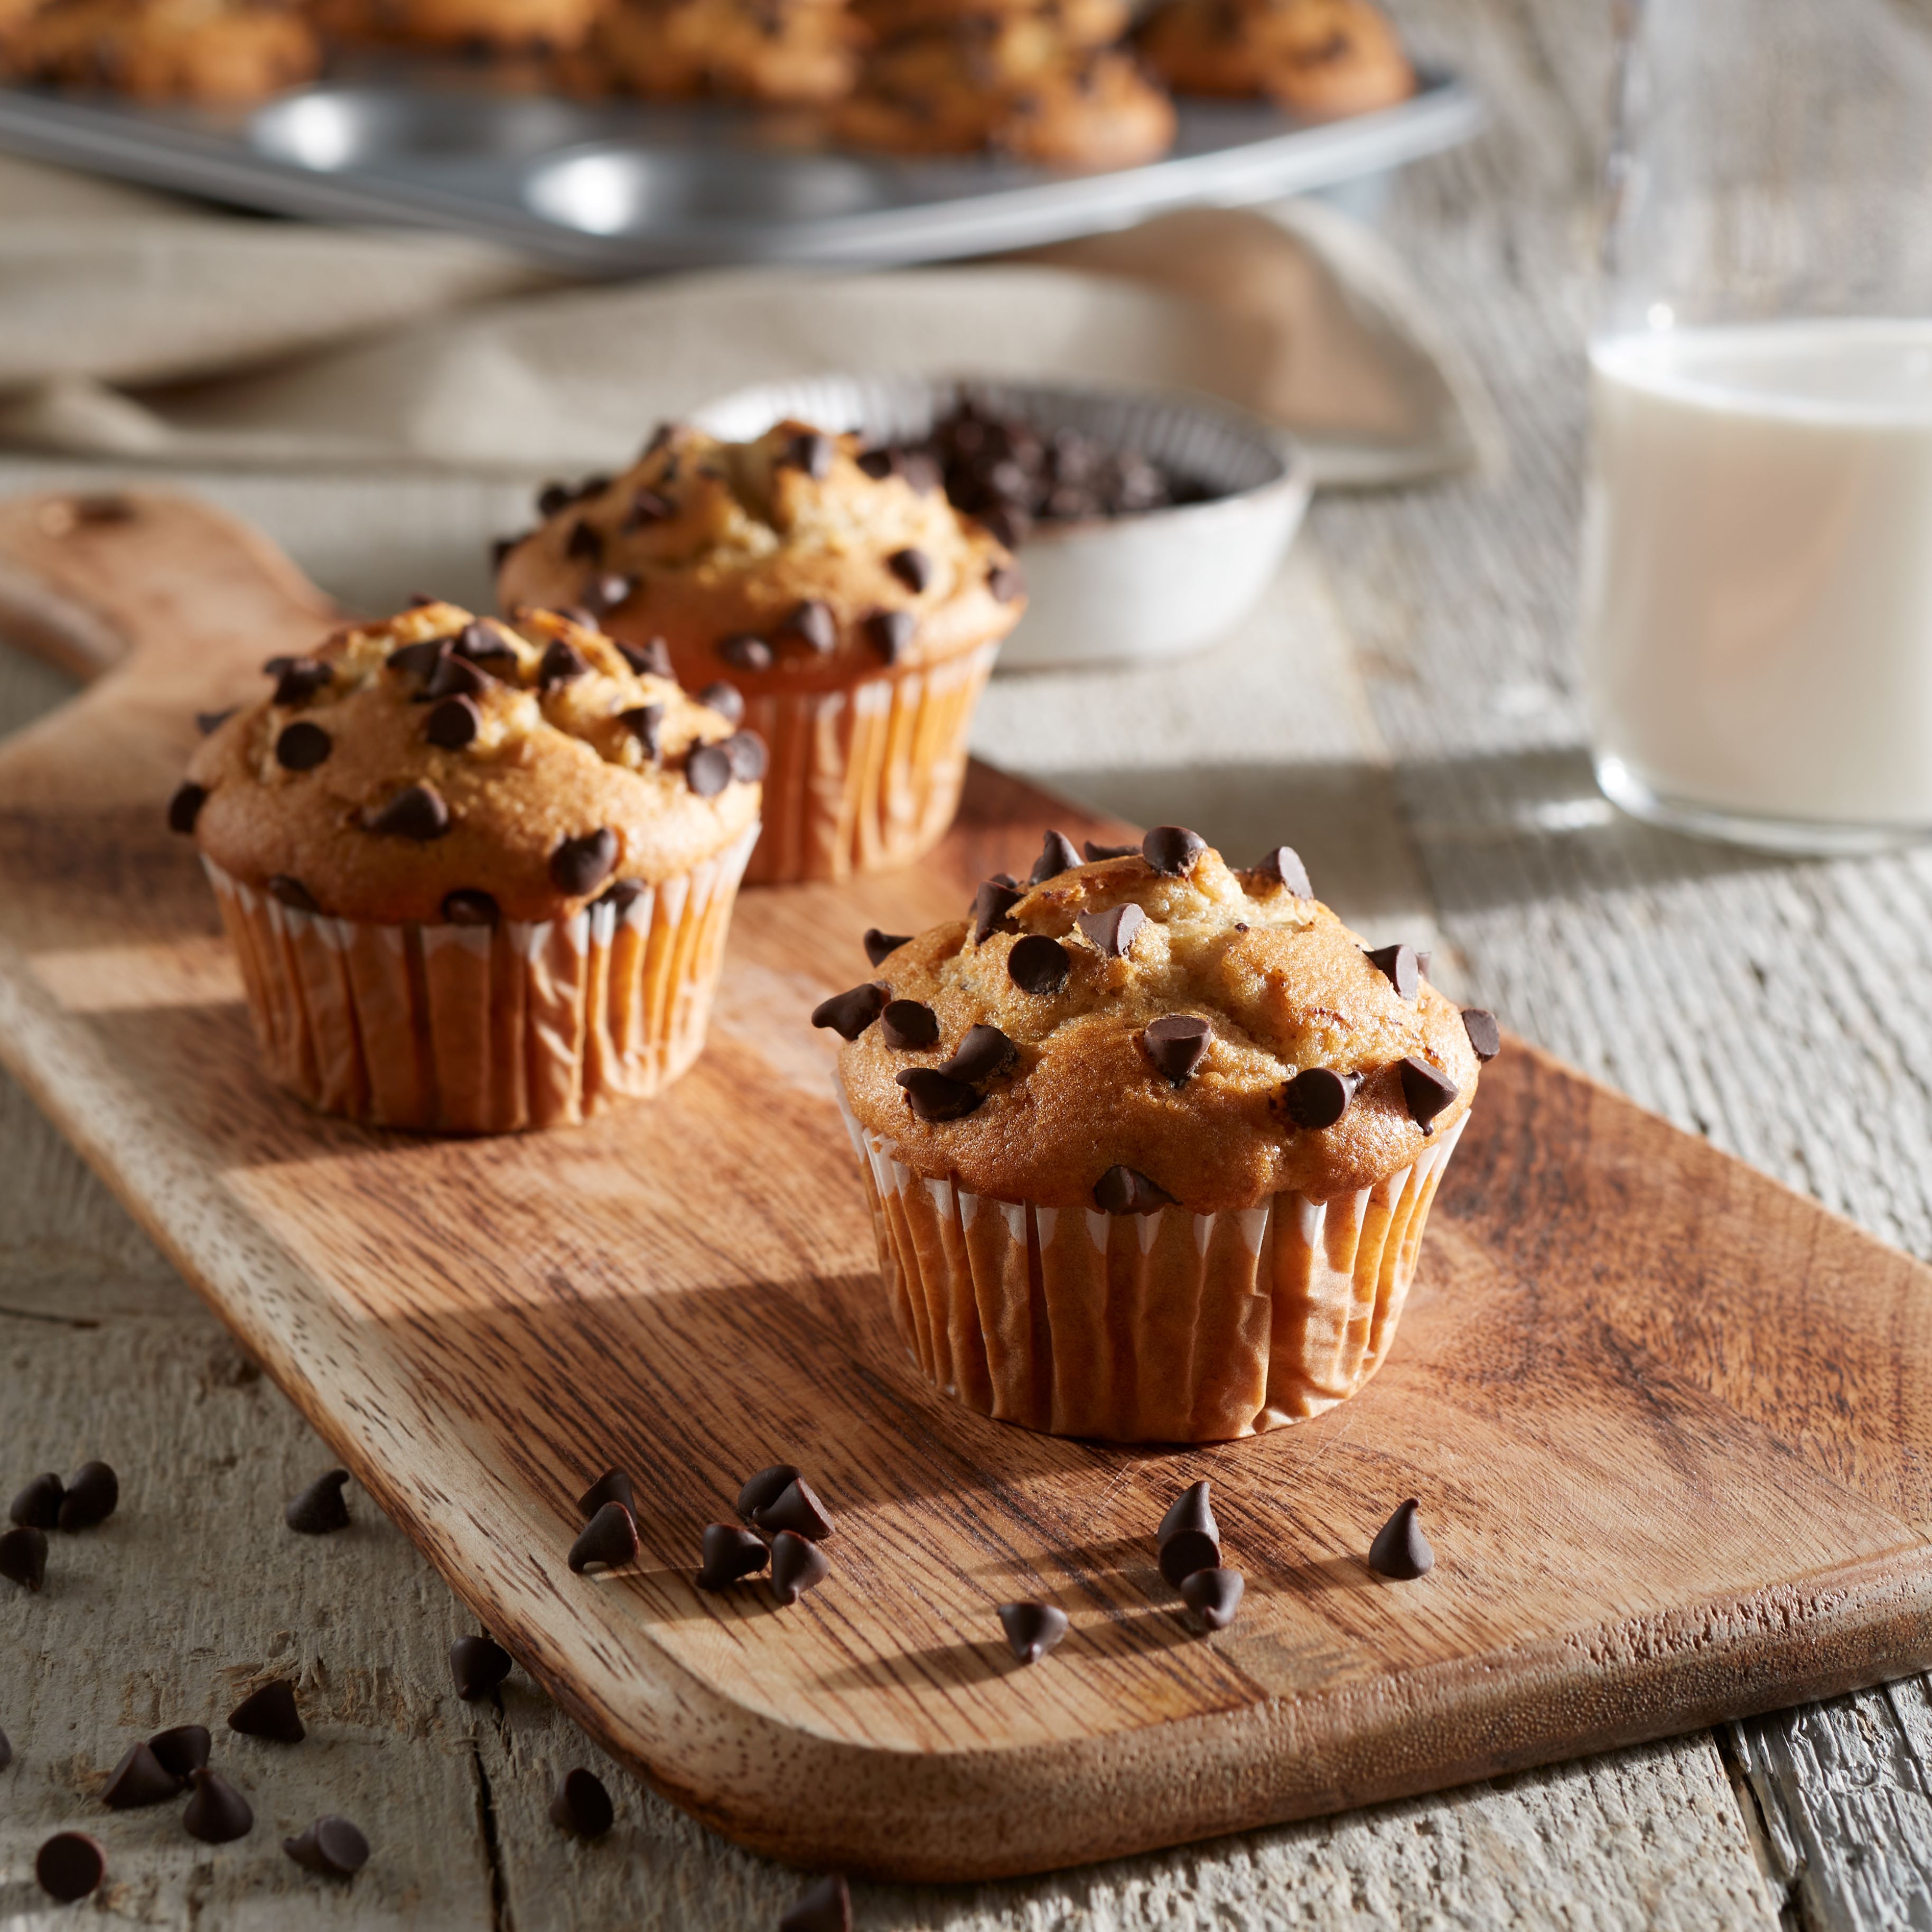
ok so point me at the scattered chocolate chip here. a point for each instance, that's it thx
(209, 722)
(217, 1812)
(912, 567)
(1176, 1043)
(937, 1097)
(613, 1487)
(1485, 1036)
(1400, 1549)
(453, 724)
(1032, 1629)
(647, 660)
(1213, 1595)
(180, 1749)
(93, 1494)
(581, 1805)
(810, 451)
(331, 1846)
(417, 811)
(1038, 965)
(745, 752)
(762, 1490)
(1124, 1190)
(812, 623)
(466, 906)
(417, 660)
(1005, 584)
(1283, 866)
(37, 1505)
(795, 1507)
(1427, 1090)
(646, 722)
(585, 540)
(879, 945)
(23, 1557)
(1191, 1509)
(6, 1751)
(1006, 879)
(1397, 964)
(1186, 1551)
(907, 1025)
(580, 865)
(319, 1509)
(291, 893)
(298, 679)
(269, 1712)
(1318, 1096)
(746, 652)
(1112, 932)
(562, 663)
(139, 1779)
(1171, 849)
(798, 1564)
(610, 1537)
(456, 676)
(302, 746)
(648, 507)
(990, 905)
(727, 700)
(983, 1055)
(827, 1907)
(606, 592)
(848, 1014)
(707, 769)
(479, 1664)
(1057, 855)
(732, 1553)
(69, 1866)
(890, 633)
(1095, 853)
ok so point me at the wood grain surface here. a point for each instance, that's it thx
(1661, 1412)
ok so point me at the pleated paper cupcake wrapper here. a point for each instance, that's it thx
(866, 779)
(459, 1029)
(1173, 1327)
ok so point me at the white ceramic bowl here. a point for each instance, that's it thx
(1121, 590)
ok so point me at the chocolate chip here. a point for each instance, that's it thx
(732, 1553)
(646, 724)
(1283, 866)
(69, 1866)
(848, 1014)
(291, 893)
(456, 676)
(982, 1055)
(180, 1749)
(585, 540)
(139, 1779)
(745, 752)
(217, 1813)
(1095, 853)
(298, 679)
(826, 1907)
(613, 1487)
(479, 1664)
(1038, 965)
(466, 906)
(1112, 932)
(990, 905)
(1400, 1549)
(209, 722)
(879, 945)
(562, 663)
(934, 1095)
(707, 769)
(6, 1751)
(1125, 1190)
(1006, 879)
(812, 623)
(302, 746)
(798, 1564)
(1191, 1509)
(93, 1494)
(417, 660)
(1186, 1551)
(1032, 1629)
(762, 1490)
(746, 652)
(647, 660)
(912, 567)
(37, 1504)
(1176, 1043)
(553, 497)
(907, 1025)
(269, 1712)
(319, 1509)
(810, 451)
(1397, 964)
(795, 1507)
(417, 811)
(1171, 850)
(1427, 1090)
(606, 592)
(331, 1846)
(610, 1537)
(727, 700)
(580, 1804)
(1005, 584)
(1056, 856)
(1318, 1096)
(1213, 1595)
(890, 633)
(23, 1557)
(648, 507)
(453, 724)
(1486, 1037)
(580, 865)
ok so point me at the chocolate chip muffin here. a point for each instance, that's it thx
(1150, 1141)
(478, 876)
(798, 52)
(214, 51)
(1321, 59)
(850, 615)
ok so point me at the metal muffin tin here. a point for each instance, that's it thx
(612, 187)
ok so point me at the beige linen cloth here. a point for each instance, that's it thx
(135, 328)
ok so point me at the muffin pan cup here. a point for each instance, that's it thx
(477, 1030)
(1172, 1326)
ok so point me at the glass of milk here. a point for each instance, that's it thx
(1756, 623)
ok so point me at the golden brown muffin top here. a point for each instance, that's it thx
(1167, 1028)
(441, 768)
(785, 564)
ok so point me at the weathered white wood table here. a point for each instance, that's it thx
(1405, 711)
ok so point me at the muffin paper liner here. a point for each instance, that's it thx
(867, 778)
(1173, 1327)
(460, 1029)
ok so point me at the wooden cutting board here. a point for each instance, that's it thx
(1666, 1419)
